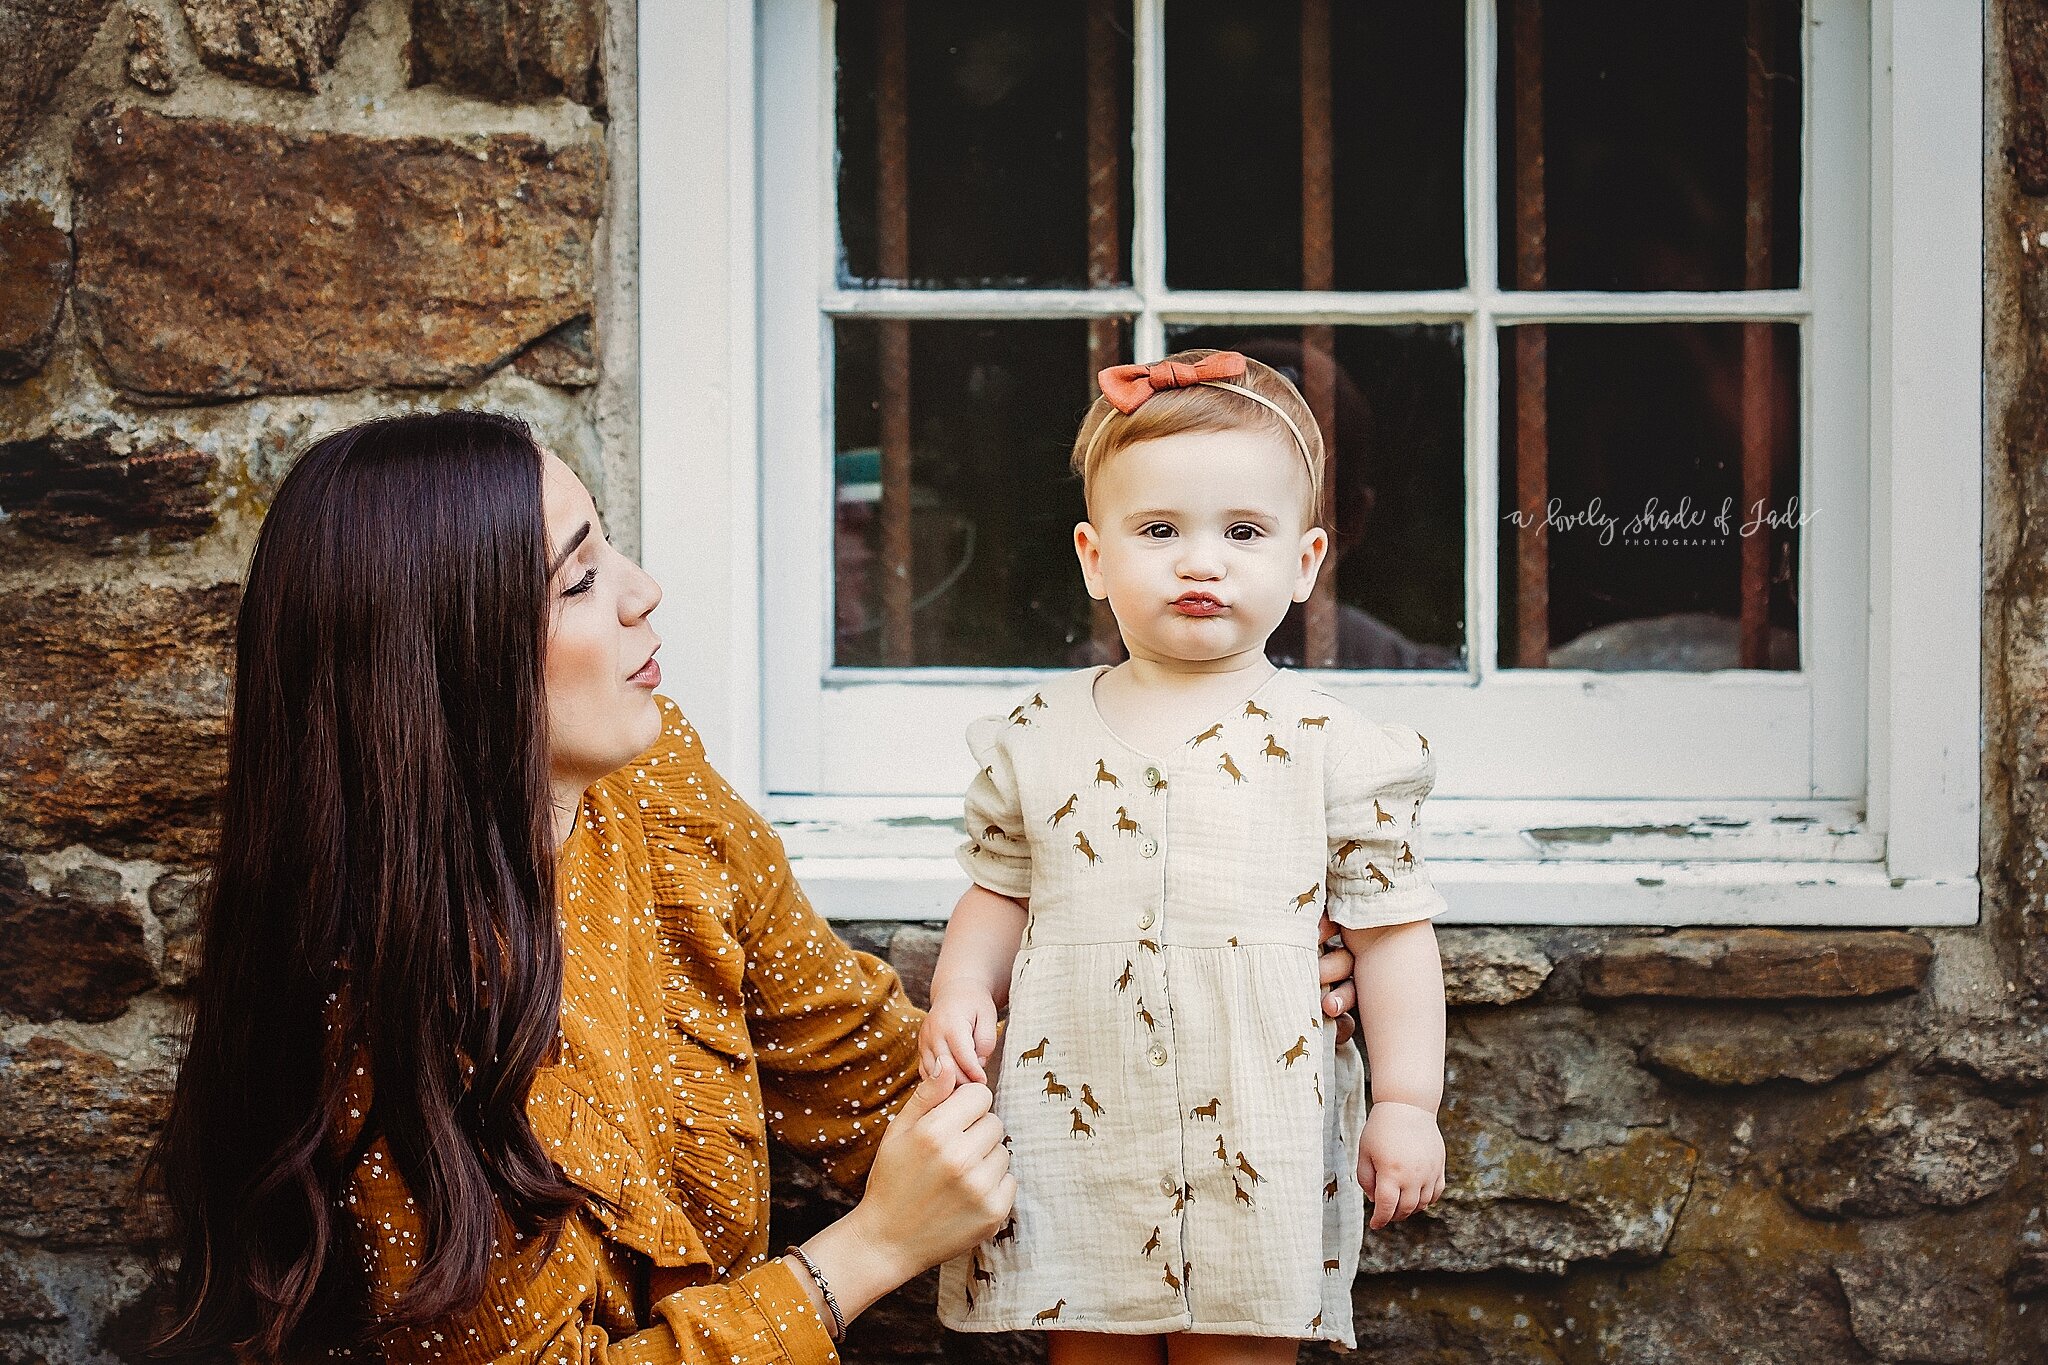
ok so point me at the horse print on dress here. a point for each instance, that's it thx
(1104, 777)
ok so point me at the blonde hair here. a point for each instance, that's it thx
(1202, 407)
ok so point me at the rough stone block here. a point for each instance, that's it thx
(914, 953)
(1903, 1159)
(149, 62)
(39, 44)
(1516, 1204)
(271, 42)
(1919, 1309)
(86, 488)
(1776, 1307)
(1757, 1048)
(221, 260)
(565, 357)
(113, 717)
(177, 899)
(511, 50)
(79, 1124)
(2009, 1056)
(1760, 964)
(1490, 966)
(35, 270)
(78, 949)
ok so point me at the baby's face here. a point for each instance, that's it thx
(1200, 541)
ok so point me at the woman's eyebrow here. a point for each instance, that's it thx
(568, 549)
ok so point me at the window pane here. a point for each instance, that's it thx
(1395, 426)
(1358, 186)
(1649, 146)
(967, 138)
(1642, 470)
(989, 411)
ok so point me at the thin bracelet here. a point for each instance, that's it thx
(838, 1320)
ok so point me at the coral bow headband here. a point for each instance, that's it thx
(1128, 386)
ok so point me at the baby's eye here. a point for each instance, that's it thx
(1157, 530)
(1244, 531)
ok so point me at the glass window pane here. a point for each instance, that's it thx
(1360, 185)
(1649, 486)
(1394, 423)
(971, 138)
(1649, 146)
(988, 411)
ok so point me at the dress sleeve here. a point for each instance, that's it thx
(833, 1031)
(550, 1310)
(1376, 778)
(995, 853)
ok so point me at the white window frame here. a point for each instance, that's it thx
(728, 362)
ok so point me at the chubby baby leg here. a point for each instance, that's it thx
(1103, 1348)
(1203, 1348)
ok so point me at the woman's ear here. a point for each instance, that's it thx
(1088, 549)
(1315, 544)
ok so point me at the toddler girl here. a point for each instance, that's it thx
(1151, 847)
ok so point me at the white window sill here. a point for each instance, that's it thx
(1498, 862)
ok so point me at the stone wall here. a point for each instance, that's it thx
(226, 225)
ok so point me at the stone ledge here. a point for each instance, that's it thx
(1759, 964)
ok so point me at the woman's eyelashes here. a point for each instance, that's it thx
(581, 585)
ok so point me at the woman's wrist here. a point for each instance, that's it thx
(860, 1265)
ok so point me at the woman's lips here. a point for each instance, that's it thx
(1198, 604)
(649, 674)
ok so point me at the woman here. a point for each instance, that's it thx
(503, 987)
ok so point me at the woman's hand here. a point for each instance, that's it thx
(1400, 1160)
(940, 1184)
(1334, 969)
(961, 1024)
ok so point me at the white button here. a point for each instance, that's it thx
(1168, 1186)
(1148, 849)
(1157, 1053)
(1146, 919)
(1151, 777)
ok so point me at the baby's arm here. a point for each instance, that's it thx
(1382, 898)
(1401, 1007)
(971, 983)
(1400, 980)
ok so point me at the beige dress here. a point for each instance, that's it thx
(1183, 1125)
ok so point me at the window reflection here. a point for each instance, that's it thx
(1622, 448)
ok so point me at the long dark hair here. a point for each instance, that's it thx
(387, 845)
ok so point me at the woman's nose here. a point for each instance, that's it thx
(636, 605)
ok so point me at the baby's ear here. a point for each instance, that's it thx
(1088, 549)
(1315, 547)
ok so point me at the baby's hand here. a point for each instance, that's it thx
(1400, 1160)
(962, 1024)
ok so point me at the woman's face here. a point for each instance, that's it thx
(600, 668)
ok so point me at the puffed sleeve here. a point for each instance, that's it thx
(1376, 777)
(994, 853)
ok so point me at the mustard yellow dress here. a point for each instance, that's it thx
(1184, 1127)
(705, 1007)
